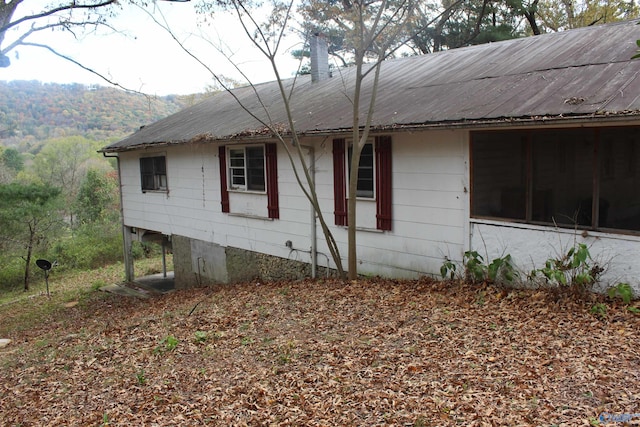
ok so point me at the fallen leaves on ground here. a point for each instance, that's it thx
(324, 353)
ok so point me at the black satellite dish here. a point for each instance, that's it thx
(46, 266)
(43, 264)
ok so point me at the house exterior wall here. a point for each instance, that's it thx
(431, 218)
(429, 178)
(531, 246)
(429, 198)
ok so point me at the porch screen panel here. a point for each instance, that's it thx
(562, 186)
(499, 175)
(619, 152)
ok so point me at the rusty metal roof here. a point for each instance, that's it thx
(586, 72)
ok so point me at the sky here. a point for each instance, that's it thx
(144, 57)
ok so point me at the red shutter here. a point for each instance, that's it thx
(383, 182)
(271, 154)
(224, 192)
(339, 182)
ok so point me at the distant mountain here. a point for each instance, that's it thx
(31, 111)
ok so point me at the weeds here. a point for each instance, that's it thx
(140, 377)
(622, 291)
(200, 337)
(571, 270)
(169, 343)
(599, 310)
(286, 353)
(476, 270)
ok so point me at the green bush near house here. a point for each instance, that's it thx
(12, 274)
(91, 246)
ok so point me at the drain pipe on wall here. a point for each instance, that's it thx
(313, 252)
(313, 236)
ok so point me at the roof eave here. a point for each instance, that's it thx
(545, 120)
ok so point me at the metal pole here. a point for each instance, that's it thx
(46, 280)
(164, 259)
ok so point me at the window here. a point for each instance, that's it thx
(246, 168)
(365, 187)
(586, 178)
(374, 179)
(252, 168)
(153, 173)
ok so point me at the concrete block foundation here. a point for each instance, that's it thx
(200, 263)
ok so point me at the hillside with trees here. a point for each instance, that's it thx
(59, 195)
(31, 111)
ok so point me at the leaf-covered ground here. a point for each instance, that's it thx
(367, 353)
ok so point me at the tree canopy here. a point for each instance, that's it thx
(28, 218)
(449, 24)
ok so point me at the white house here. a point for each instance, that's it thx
(522, 147)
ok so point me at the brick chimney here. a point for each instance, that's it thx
(319, 57)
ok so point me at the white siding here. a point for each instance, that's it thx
(530, 246)
(429, 206)
(191, 207)
(428, 214)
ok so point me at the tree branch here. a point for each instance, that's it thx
(53, 11)
(68, 58)
(65, 25)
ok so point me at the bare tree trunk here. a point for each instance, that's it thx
(352, 256)
(27, 267)
(530, 14)
(351, 208)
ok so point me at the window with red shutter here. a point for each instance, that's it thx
(383, 183)
(271, 153)
(224, 190)
(383, 187)
(339, 182)
(251, 168)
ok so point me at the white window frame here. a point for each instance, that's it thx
(244, 169)
(373, 168)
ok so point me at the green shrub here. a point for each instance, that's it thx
(12, 273)
(622, 291)
(499, 270)
(141, 250)
(91, 246)
(575, 269)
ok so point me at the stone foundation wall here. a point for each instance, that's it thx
(198, 263)
(246, 265)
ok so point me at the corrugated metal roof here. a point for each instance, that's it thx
(587, 71)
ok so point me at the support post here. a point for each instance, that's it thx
(164, 258)
(128, 255)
